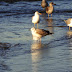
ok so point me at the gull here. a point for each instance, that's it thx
(36, 18)
(44, 4)
(69, 22)
(39, 33)
(50, 8)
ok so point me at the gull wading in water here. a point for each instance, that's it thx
(69, 22)
(36, 18)
(39, 33)
(50, 8)
(44, 4)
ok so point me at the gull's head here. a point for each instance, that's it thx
(68, 21)
(51, 3)
(43, 0)
(65, 21)
(33, 29)
(36, 13)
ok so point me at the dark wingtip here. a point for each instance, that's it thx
(51, 33)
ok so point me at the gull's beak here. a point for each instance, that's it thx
(64, 20)
(53, 3)
(40, 13)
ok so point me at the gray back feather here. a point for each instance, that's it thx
(42, 32)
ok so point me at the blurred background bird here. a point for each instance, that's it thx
(44, 4)
(50, 8)
(69, 22)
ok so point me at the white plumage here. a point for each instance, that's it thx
(69, 22)
(38, 33)
(35, 18)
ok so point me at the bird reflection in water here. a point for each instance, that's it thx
(48, 22)
(36, 55)
(50, 25)
(69, 34)
(39, 51)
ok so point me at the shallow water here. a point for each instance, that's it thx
(19, 53)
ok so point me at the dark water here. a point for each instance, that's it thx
(19, 53)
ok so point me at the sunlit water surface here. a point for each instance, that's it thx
(19, 53)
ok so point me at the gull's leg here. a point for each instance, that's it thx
(69, 28)
(34, 24)
(37, 25)
(43, 9)
(51, 14)
(48, 15)
(40, 40)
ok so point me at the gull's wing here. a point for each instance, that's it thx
(32, 17)
(47, 8)
(42, 32)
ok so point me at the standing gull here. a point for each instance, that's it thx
(39, 33)
(44, 4)
(69, 22)
(35, 18)
(50, 8)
